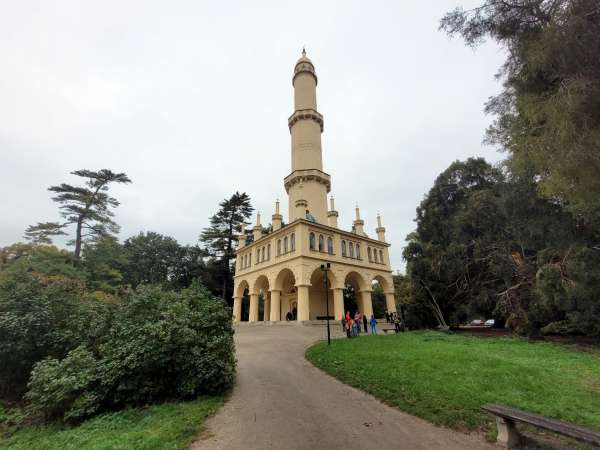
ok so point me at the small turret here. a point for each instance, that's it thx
(277, 218)
(380, 230)
(257, 230)
(358, 224)
(242, 237)
(332, 215)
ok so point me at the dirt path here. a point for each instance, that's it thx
(281, 401)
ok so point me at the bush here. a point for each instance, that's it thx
(39, 317)
(64, 388)
(161, 345)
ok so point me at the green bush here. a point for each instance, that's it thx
(39, 317)
(161, 345)
(64, 388)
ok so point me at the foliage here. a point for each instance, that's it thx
(487, 246)
(419, 371)
(161, 345)
(88, 207)
(222, 235)
(168, 426)
(548, 114)
(40, 317)
(104, 260)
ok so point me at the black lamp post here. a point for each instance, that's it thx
(325, 268)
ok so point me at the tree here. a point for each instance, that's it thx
(222, 234)
(152, 259)
(548, 114)
(88, 207)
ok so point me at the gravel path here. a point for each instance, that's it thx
(281, 401)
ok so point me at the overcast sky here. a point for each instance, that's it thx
(191, 100)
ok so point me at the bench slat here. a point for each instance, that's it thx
(558, 426)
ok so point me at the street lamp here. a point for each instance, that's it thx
(325, 268)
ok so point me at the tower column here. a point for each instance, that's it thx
(338, 303)
(275, 305)
(365, 304)
(390, 302)
(237, 309)
(303, 302)
(253, 316)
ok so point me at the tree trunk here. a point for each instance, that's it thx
(78, 239)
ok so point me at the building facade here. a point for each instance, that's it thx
(282, 269)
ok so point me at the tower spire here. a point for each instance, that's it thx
(307, 181)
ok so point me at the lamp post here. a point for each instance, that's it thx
(325, 268)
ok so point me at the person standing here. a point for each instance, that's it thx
(348, 325)
(396, 323)
(365, 321)
(357, 323)
(373, 325)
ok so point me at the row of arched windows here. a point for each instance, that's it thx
(312, 242)
(350, 249)
(263, 253)
(287, 244)
(375, 255)
(245, 260)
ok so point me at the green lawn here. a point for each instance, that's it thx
(446, 378)
(166, 426)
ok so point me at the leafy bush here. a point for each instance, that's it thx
(39, 317)
(161, 345)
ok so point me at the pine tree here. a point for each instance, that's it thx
(222, 234)
(88, 207)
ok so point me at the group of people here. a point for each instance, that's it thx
(393, 317)
(352, 325)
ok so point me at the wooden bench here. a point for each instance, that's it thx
(388, 330)
(508, 436)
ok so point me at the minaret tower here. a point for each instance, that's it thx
(307, 186)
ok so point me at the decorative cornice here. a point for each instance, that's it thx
(307, 175)
(332, 214)
(305, 114)
(304, 67)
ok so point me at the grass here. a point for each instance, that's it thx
(446, 378)
(166, 426)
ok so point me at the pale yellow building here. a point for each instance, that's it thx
(283, 268)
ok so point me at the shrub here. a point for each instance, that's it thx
(161, 345)
(39, 317)
(64, 387)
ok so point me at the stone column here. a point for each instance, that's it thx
(303, 303)
(275, 306)
(390, 302)
(366, 303)
(267, 310)
(237, 309)
(338, 303)
(253, 317)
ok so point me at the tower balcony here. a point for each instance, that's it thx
(302, 176)
(305, 114)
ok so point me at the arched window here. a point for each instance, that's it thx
(269, 251)
(257, 255)
(278, 247)
(375, 254)
(369, 254)
(357, 251)
(330, 245)
(249, 259)
(343, 248)
(321, 243)
(381, 257)
(285, 244)
(311, 240)
(292, 242)
(263, 254)
(351, 249)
